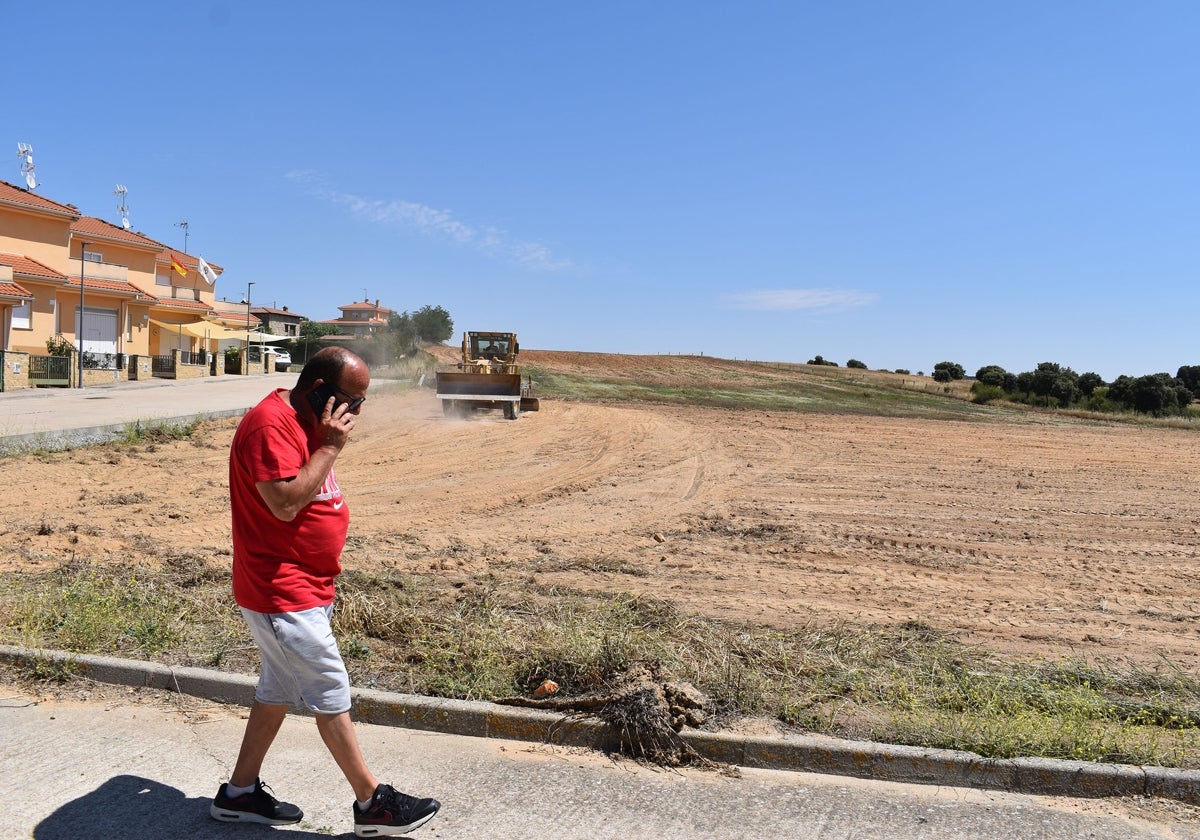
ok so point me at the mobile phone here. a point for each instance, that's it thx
(320, 395)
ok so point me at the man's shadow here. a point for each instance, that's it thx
(133, 808)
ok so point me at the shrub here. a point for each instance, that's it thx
(59, 346)
(982, 393)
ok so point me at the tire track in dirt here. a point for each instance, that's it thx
(1027, 537)
(554, 474)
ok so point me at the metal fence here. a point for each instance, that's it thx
(163, 366)
(104, 361)
(49, 370)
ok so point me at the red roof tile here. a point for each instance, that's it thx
(91, 226)
(29, 267)
(12, 194)
(365, 305)
(118, 286)
(14, 290)
(176, 303)
(271, 310)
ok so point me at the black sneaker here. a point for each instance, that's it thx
(258, 806)
(392, 813)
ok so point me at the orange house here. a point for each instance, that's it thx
(93, 283)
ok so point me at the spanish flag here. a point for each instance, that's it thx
(175, 265)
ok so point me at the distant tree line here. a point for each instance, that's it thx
(1054, 386)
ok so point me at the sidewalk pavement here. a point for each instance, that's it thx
(62, 418)
(499, 731)
(143, 765)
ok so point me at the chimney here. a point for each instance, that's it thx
(377, 301)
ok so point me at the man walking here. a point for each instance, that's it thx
(289, 527)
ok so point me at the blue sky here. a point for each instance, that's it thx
(896, 182)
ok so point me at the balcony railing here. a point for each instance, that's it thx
(98, 270)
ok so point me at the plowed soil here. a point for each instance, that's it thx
(1027, 534)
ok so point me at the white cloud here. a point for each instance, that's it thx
(430, 221)
(780, 300)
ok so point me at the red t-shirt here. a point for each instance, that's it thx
(281, 566)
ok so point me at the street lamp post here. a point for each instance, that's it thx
(82, 251)
(246, 355)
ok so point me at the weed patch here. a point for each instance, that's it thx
(902, 684)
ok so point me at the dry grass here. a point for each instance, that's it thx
(904, 684)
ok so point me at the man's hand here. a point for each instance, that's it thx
(286, 497)
(335, 424)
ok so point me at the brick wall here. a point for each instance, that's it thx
(14, 375)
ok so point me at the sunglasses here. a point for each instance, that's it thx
(353, 403)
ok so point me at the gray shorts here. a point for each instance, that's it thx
(301, 665)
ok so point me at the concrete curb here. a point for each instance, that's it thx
(56, 440)
(807, 753)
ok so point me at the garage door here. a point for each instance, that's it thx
(99, 330)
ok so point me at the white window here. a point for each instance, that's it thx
(21, 315)
(162, 279)
(93, 256)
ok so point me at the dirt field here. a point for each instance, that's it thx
(1026, 536)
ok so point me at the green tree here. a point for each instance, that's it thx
(1044, 377)
(314, 331)
(856, 364)
(1154, 394)
(991, 375)
(308, 340)
(1065, 389)
(948, 372)
(1089, 382)
(1120, 392)
(433, 324)
(1098, 400)
(1024, 382)
(402, 333)
(1189, 375)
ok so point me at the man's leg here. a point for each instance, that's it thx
(337, 731)
(261, 729)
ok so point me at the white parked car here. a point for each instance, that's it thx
(282, 359)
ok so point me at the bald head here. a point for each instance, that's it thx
(331, 364)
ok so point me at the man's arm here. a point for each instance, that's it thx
(286, 497)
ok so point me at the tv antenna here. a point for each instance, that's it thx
(184, 225)
(122, 191)
(25, 152)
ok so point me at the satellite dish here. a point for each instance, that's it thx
(30, 181)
